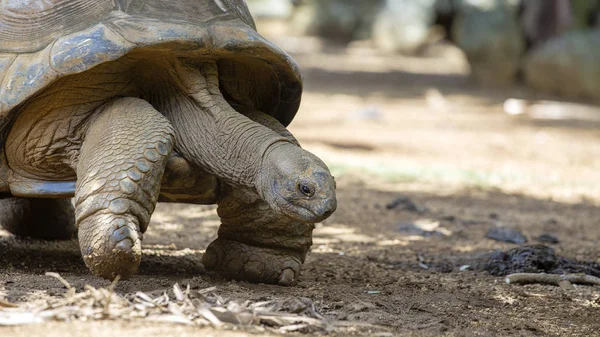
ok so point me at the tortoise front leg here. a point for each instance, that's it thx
(122, 160)
(256, 243)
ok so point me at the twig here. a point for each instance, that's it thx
(109, 295)
(192, 308)
(554, 279)
(70, 290)
(62, 280)
(6, 304)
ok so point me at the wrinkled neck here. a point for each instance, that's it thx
(214, 136)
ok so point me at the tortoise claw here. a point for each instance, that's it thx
(287, 277)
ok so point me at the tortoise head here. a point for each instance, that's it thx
(297, 183)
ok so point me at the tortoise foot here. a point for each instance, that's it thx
(114, 250)
(240, 261)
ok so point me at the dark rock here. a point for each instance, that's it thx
(534, 259)
(404, 203)
(527, 259)
(548, 238)
(506, 235)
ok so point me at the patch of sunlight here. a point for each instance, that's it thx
(505, 299)
(405, 172)
(465, 248)
(538, 295)
(340, 233)
(179, 252)
(201, 213)
(587, 303)
(324, 248)
(324, 241)
(412, 238)
(167, 226)
(4, 233)
(187, 213)
(395, 242)
(410, 172)
(170, 246)
(34, 295)
(454, 62)
(159, 216)
(211, 223)
(429, 225)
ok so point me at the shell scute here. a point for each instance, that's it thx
(83, 50)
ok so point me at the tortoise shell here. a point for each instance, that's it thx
(43, 41)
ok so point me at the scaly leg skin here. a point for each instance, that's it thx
(122, 160)
(255, 243)
(49, 219)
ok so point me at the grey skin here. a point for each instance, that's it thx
(290, 179)
(173, 125)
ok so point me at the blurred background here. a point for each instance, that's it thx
(448, 93)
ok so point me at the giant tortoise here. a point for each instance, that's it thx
(123, 103)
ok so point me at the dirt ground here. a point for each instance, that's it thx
(389, 127)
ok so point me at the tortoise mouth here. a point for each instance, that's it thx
(319, 210)
(304, 214)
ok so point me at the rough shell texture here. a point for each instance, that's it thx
(42, 41)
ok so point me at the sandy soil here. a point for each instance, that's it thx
(389, 127)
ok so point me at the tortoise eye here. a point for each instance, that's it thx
(305, 189)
